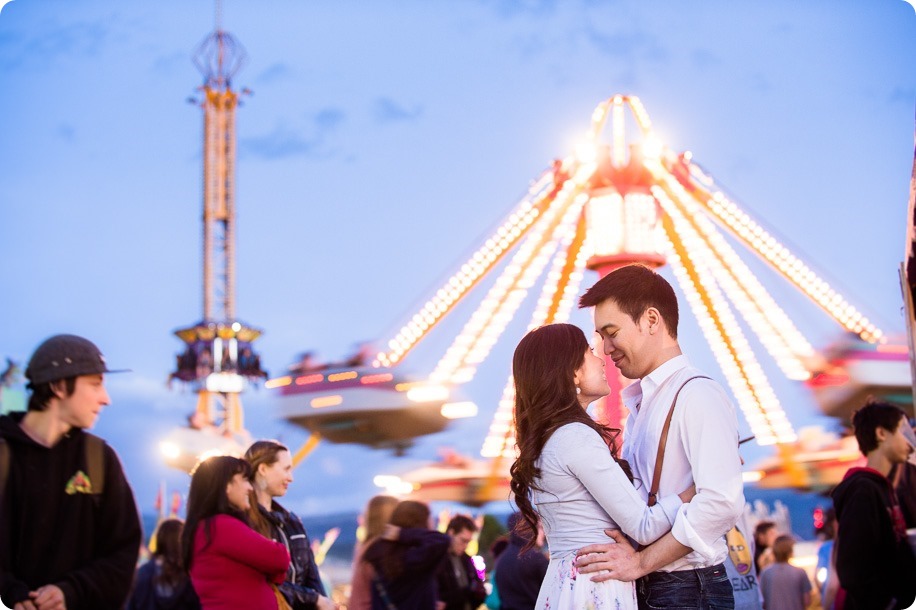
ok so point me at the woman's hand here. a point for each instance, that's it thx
(325, 604)
(391, 532)
(688, 494)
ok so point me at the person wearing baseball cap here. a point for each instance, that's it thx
(69, 527)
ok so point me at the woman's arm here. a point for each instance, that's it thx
(589, 460)
(234, 539)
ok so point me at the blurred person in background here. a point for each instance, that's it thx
(520, 572)
(903, 477)
(739, 564)
(272, 472)
(374, 519)
(162, 583)
(765, 534)
(460, 586)
(784, 586)
(496, 550)
(231, 565)
(404, 559)
(874, 560)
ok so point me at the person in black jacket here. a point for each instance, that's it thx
(874, 561)
(460, 586)
(69, 527)
(519, 574)
(162, 583)
(402, 562)
(272, 468)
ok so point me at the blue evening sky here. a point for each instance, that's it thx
(382, 142)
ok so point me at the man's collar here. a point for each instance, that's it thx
(654, 379)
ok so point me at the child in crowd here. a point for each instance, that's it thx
(784, 586)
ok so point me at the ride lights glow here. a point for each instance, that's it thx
(479, 264)
(458, 410)
(320, 402)
(792, 268)
(392, 484)
(486, 324)
(769, 322)
(279, 382)
(428, 393)
(744, 374)
(170, 450)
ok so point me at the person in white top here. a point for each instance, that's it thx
(636, 315)
(566, 476)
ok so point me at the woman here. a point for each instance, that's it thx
(231, 565)
(566, 475)
(162, 582)
(404, 560)
(378, 512)
(272, 472)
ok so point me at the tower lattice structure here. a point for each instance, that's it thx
(219, 358)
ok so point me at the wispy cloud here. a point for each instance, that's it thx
(904, 95)
(54, 41)
(66, 132)
(513, 8)
(386, 110)
(274, 72)
(705, 59)
(309, 140)
(630, 45)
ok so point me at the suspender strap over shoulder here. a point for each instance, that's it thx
(663, 441)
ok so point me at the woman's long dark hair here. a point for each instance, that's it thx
(207, 498)
(261, 452)
(168, 553)
(543, 368)
(388, 555)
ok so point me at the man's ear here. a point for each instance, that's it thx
(881, 434)
(59, 388)
(653, 320)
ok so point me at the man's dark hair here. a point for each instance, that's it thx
(634, 289)
(459, 523)
(875, 414)
(43, 393)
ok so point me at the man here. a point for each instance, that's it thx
(636, 315)
(460, 587)
(874, 561)
(519, 574)
(69, 527)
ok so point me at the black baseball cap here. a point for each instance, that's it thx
(63, 356)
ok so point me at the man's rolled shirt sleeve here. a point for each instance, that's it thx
(709, 433)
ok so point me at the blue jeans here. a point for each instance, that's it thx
(702, 589)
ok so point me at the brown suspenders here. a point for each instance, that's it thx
(662, 441)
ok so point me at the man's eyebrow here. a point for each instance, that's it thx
(605, 327)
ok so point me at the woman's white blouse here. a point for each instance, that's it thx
(584, 492)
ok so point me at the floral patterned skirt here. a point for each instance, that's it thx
(565, 589)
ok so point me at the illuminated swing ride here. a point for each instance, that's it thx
(609, 204)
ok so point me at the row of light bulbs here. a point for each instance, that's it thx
(479, 264)
(770, 323)
(742, 370)
(793, 268)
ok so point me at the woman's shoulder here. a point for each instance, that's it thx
(223, 521)
(573, 433)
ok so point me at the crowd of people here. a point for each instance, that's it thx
(653, 519)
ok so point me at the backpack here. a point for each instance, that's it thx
(94, 449)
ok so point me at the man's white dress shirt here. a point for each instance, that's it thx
(702, 449)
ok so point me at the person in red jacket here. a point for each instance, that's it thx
(231, 565)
